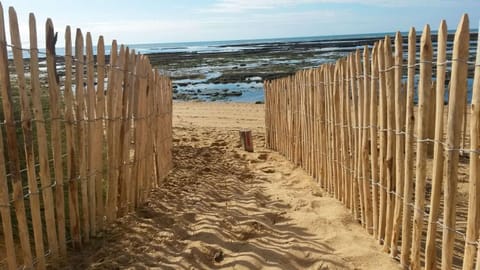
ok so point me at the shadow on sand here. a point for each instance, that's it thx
(209, 213)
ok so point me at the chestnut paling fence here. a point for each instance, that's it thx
(389, 133)
(83, 139)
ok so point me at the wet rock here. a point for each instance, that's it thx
(182, 96)
(232, 94)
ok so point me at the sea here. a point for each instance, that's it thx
(252, 90)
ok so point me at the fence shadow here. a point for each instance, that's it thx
(209, 213)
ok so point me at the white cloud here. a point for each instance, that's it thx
(140, 31)
(238, 6)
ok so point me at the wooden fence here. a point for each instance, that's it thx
(83, 139)
(378, 132)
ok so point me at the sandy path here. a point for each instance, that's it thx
(223, 208)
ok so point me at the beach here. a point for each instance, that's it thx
(224, 208)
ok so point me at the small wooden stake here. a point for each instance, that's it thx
(246, 140)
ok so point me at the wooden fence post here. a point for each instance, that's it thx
(456, 108)
(91, 130)
(366, 174)
(111, 98)
(81, 133)
(374, 137)
(29, 153)
(382, 121)
(437, 178)
(359, 129)
(323, 125)
(474, 177)
(345, 138)
(409, 158)
(5, 212)
(117, 104)
(72, 168)
(355, 138)
(99, 136)
(7, 229)
(12, 148)
(349, 137)
(55, 100)
(424, 98)
(400, 143)
(336, 131)
(130, 135)
(390, 156)
(4, 192)
(124, 140)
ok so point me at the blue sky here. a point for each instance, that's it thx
(150, 21)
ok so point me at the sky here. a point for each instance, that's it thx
(161, 21)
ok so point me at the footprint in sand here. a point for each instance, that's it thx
(268, 170)
(263, 156)
(316, 204)
(317, 192)
(219, 143)
(299, 205)
(190, 217)
(275, 218)
(248, 230)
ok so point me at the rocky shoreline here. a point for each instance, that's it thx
(238, 75)
(236, 72)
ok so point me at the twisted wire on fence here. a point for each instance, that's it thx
(76, 60)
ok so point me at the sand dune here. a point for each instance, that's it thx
(223, 208)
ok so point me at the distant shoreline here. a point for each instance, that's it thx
(235, 70)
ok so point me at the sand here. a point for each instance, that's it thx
(224, 208)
